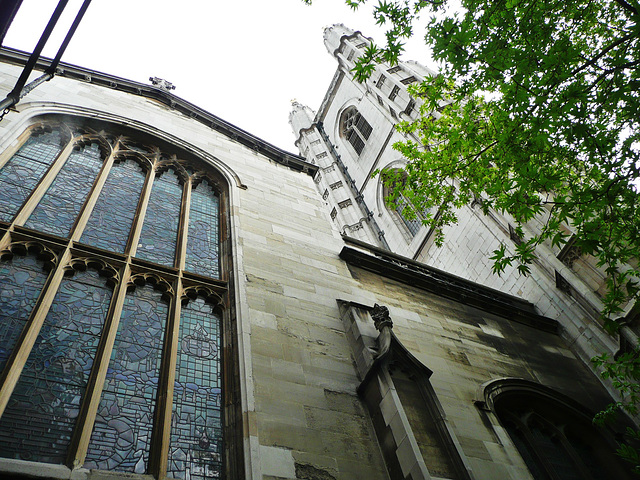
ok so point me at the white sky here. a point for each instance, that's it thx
(243, 61)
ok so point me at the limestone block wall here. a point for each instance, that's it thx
(465, 348)
(300, 412)
(467, 252)
(307, 417)
(469, 244)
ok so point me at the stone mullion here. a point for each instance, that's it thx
(583, 469)
(93, 394)
(8, 153)
(90, 203)
(142, 210)
(534, 449)
(183, 228)
(5, 240)
(23, 347)
(37, 194)
(160, 443)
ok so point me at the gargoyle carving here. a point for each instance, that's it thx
(383, 324)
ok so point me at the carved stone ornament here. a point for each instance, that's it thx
(162, 83)
(383, 324)
(381, 318)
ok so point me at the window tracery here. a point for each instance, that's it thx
(197, 406)
(355, 129)
(25, 169)
(55, 375)
(92, 366)
(21, 281)
(399, 203)
(158, 239)
(60, 205)
(123, 429)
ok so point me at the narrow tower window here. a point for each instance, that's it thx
(355, 129)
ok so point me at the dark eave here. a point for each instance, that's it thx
(295, 162)
(444, 284)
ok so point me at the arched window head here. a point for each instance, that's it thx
(122, 368)
(554, 435)
(355, 129)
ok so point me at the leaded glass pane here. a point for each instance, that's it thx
(21, 281)
(20, 175)
(196, 428)
(550, 448)
(59, 207)
(160, 229)
(525, 450)
(202, 240)
(413, 224)
(111, 219)
(122, 432)
(356, 141)
(363, 127)
(39, 419)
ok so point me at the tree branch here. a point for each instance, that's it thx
(626, 6)
(603, 52)
(614, 69)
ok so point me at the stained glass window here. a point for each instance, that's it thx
(160, 229)
(111, 219)
(122, 432)
(20, 175)
(39, 419)
(202, 240)
(20, 283)
(58, 209)
(413, 224)
(47, 408)
(196, 428)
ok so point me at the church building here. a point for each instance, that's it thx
(180, 299)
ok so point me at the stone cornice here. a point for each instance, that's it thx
(444, 284)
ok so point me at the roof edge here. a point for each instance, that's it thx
(445, 284)
(74, 72)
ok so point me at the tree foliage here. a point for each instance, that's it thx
(535, 112)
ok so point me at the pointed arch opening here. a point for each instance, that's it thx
(102, 352)
(355, 129)
(554, 435)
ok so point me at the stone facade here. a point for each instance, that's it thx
(311, 389)
(564, 285)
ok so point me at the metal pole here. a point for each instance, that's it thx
(8, 10)
(13, 97)
(67, 39)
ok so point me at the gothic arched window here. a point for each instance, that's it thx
(355, 129)
(554, 435)
(398, 203)
(111, 293)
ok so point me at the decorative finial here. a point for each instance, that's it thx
(162, 83)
